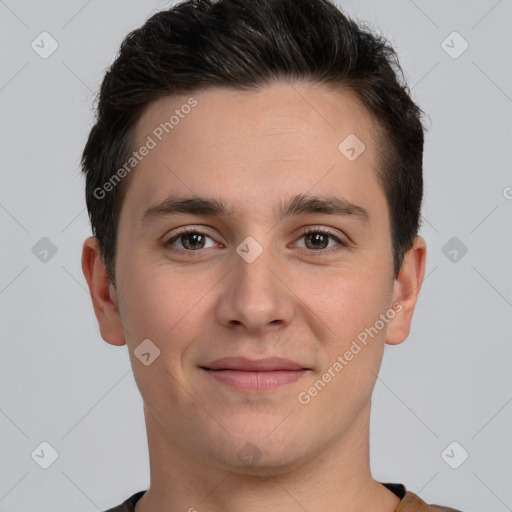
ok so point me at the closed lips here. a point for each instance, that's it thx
(269, 364)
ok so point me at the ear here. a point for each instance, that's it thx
(103, 293)
(406, 289)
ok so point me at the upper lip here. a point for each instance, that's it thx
(268, 364)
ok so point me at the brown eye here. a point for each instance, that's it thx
(192, 240)
(318, 239)
(189, 240)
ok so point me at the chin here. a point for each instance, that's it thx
(270, 464)
(258, 454)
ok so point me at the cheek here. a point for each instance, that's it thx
(161, 306)
(354, 344)
(167, 304)
(353, 354)
(155, 298)
(349, 301)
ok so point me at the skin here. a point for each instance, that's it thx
(254, 150)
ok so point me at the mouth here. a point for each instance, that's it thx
(255, 374)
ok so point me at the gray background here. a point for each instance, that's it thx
(450, 381)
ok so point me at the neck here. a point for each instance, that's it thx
(338, 478)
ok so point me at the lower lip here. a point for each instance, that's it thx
(256, 381)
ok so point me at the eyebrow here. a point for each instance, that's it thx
(300, 204)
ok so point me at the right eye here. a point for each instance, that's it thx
(190, 239)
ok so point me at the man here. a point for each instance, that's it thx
(254, 183)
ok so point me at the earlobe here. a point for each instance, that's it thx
(406, 289)
(103, 295)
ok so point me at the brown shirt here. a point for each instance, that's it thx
(409, 502)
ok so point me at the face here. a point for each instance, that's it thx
(297, 264)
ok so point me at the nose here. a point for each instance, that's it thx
(255, 296)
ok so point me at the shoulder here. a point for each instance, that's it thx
(129, 504)
(413, 503)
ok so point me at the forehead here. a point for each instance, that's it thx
(284, 139)
(270, 110)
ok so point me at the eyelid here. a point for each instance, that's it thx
(320, 229)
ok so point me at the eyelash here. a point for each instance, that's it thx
(306, 231)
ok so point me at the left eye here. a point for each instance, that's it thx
(318, 239)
